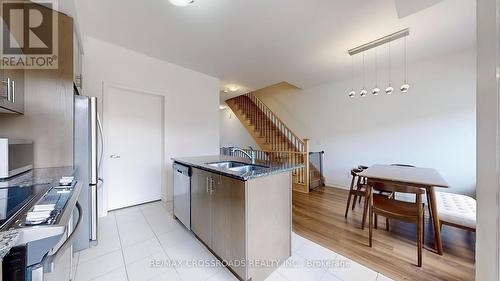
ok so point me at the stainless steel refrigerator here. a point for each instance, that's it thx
(87, 133)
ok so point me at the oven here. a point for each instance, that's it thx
(44, 251)
(16, 157)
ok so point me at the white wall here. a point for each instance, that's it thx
(432, 126)
(232, 132)
(191, 98)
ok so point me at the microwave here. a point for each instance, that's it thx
(16, 157)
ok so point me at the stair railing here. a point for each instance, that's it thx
(280, 141)
(276, 132)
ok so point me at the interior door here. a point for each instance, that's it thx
(133, 149)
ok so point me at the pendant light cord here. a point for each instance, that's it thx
(390, 74)
(364, 71)
(406, 65)
(376, 67)
(352, 73)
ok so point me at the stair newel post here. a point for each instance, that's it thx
(306, 160)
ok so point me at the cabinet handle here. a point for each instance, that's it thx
(9, 89)
(212, 186)
(13, 89)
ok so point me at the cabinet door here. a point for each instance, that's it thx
(17, 88)
(12, 94)
(220, 209)
(228, 231)
(201, 206)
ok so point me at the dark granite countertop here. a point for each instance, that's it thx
(202, 161)
(37, 176)
(8, 239)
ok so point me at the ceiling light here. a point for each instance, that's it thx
(375, 91)
(181, 2)
(233, 88)
(222, 107)
(363, 91)
(389, 89)
(405, 87)
(225, 91)
(352, 93)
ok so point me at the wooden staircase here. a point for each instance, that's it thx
(277, 142)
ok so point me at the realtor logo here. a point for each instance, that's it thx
(29, 35)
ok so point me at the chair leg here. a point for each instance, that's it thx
(387, 224)
(348, 203)
(376, 221)
(423, 229)
(365, 212)
(355, 196)
(429, 205)
(370, 224)
(419, 240)
(349, 197)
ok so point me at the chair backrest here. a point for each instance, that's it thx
(403, 165)
(355, 171)
(395, 187)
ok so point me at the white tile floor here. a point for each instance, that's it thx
(135, 243)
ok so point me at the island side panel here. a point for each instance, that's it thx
(269, 222)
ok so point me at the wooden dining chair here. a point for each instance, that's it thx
(358, 188)
(411, 212)
(426, 194)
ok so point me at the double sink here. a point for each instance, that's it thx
(238, 167)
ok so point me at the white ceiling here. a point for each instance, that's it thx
(256, 43)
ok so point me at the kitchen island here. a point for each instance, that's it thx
(242, 212)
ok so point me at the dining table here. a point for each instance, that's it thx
(426, 178)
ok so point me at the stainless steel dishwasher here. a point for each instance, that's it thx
(182, 193)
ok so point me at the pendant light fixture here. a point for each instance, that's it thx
(363, 91)
(352, 93)
(405, 87)
(376, 90)
(385, 40)
(389, 89)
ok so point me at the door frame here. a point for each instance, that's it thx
(105, 88)
(488, 137)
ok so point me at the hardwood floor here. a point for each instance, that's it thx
(319, 216)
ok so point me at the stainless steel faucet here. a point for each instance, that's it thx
(250, 155)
